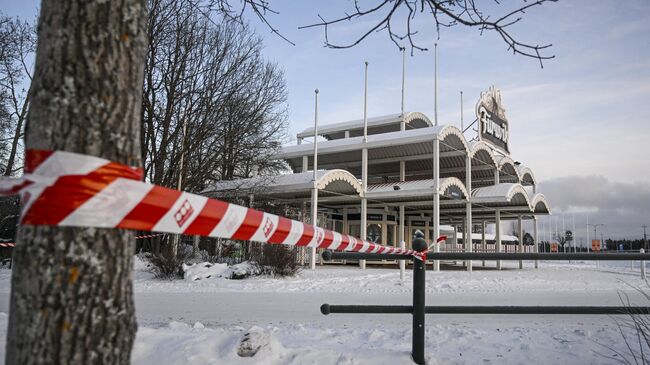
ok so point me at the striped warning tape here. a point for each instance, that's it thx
(7, 244)
(69, 189)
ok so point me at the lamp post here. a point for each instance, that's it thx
(595, 226)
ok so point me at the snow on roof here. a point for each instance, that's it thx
(423, 187)
(290, 182)
(500, 193)
(413, 119)
(391, 139)
(539, 204)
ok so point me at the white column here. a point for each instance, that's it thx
(536, 239)
(305, 163)
(402, 244)
(314, 222)
(364, 202)
(483, 243)
(436, 199)
(521, 240)
(314, 191)
(468, 209)
(497, 216)
(496, 176)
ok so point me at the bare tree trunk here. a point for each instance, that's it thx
(72, 296)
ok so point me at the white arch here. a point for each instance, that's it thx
(525, 170)
(448, 182)
(539, 204)
(411, 116)
(327, 177)
(478, 146)
(506, 160)
(447, 130)
(505, 192)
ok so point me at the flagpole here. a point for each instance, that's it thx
(435, 83)
(365, 106)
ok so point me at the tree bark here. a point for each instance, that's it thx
(72, 296)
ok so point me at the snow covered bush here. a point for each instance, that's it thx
(207, 270)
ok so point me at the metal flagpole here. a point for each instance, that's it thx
(314, 191)
(364, 166)
(365, 107)
(588, 242)
(403, 81)
(462, 127)
(435, 83)
(573, 217)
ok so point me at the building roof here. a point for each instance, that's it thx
(376, 125)
(295, 185)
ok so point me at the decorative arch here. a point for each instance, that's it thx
(452, 138)
(411, 117)
(527, 176)
(339, 181)
(508, 171)
(539, 204)
(450, 186)
(513, 193)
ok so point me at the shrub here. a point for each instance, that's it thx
(168, 266)
(278, 260)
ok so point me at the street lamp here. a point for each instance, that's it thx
(595, 226)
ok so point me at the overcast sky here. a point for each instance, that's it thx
(581, 123)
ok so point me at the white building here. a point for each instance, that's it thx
(405, 174)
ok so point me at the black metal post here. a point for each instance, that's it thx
(419, 279)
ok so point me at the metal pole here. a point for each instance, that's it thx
(469, 245)
(419, 278)
(403, 83)
(462, 125)
(364, 201)
(365, 105)
(588, 242)
(642, 266)
(435, 84)
(520, 247)
(497, 215)
(314, 192)
(402, 243)
(536, 239)
(483, 243)
(436, 200)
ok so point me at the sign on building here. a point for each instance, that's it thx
(595, 245)
(492, 122)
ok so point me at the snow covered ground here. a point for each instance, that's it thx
(202, 321)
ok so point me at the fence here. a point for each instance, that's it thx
(419, 309)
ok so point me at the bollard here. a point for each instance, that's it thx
(642, 266)
(419, 281)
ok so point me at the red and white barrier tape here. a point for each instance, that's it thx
(69, 189)
(7, 244)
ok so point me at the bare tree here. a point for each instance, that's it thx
(397, 19)
(17, 43)
(210, 99)
(72, 297)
